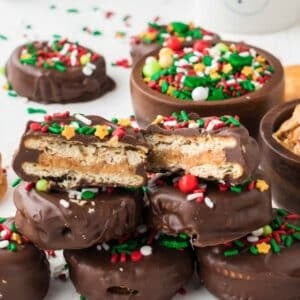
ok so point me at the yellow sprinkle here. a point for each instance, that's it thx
(263, 248)
(158, 119)
(101, 131)
(199, 67)
(147, 79)
(169, 28)
(261, 185)
(260, 59)
(150, 35)
(25, 56)
(232, 47)
(16, 238)
(259, 70)
(227, 68)
(165, 51)
(247, 71)
(181, 39)
(124, 122)
(68, 132)
(170, 90)
(214, 75)
(84, 59)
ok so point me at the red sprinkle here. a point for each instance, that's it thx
(35, 126)
(29, 186)
(136, 255)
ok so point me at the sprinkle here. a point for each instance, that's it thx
(231, 252)
(105, 246)
(191, 197)
(263, 248)
(120, 34)
(102, 131)
(88, 195)
(4, 244)
(68, 132)
(42, 185)
(275, 246)
(73, 11)
(64, 203)
(208, 202)
(136, 255)
(3, 37)
(252, 238)
(146, 250)
(124, 63)
(83, 119)
(258, 232)
(142, 229)
(32, 110)
(16, 182)
(261, 185)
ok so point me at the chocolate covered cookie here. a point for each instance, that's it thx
(58, 72)
(173, 35)
(78, 218)
(24, 270)
(3, 180)
(146, 266)
(75, 151)
(264, 265)
(209, 213)
(215, 148)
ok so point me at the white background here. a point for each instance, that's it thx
(14, 17)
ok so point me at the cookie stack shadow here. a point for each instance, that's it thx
(135, 210)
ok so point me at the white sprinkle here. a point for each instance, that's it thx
(193, 59)
(55, 59)
(181, 62)
(258, 232)
(252, 52)
(187, 49)
(86, 70)
(188, 38)
(171, 123)
(4, 244)
(73, 57)
(231, 81)
(146, 250)
(64, 203)
(198, 53)
(83, 119)
(165, 35)
(73, 194)
(193, 125)
(191, 197)
(91, 210)
(207, 37)
(121, 269)
(211, 125)
(252, 238)
(150, 60)
(65, 49)
(200, 74)
(142, 228)
(98, 247)
(181, 70)
(91, 66)
(94, 190)
(244, 53)
(105, 246)
(208, 202)
(200, 93)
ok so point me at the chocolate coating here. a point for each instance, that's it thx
(51, 86)
(245, 153)
(155, 277)
(232, 216)
(24, 274)
(280, 164)
(251, 107)
(50, 225)
(130, 141)
(247, 276)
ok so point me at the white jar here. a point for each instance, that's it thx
(246, 16)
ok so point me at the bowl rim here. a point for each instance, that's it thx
(266, 131)
(137, 82)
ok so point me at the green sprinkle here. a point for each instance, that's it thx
(175, 115)
(216, 94)
(247, 85)
(288, 241)
(13, 227)
(236, 189)
(16, 182)
(231, 252)
(12, 247)
(275, 246)
(282, 212)
(32, 110)
(114, 120)
(88, 195)
(3, 37)
(292, 226)
(164, 87)
(42, 185)
(52, 6)
(238, 243)
(200, 123)
(238, 62)
(180, 27)
(2, 220)
(174, 242)
(184, 115)
(296, 236)
(82, 297)
(72, 11)
(183, 236)
(97, 33)
(207, 60)
(253, 250)
(55, 129)
(233, 121)
(56, 36)
(267, 230)
(12, 94)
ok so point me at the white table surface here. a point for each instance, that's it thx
(16, 14)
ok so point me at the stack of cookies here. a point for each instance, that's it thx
(129, 206)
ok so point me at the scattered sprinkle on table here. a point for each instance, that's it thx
(32, 110)
(123, 63)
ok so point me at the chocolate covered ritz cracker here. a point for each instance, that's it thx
(74, 151)
(214, 148)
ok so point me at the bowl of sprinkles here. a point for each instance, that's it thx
(208, 79)
(57, 71)
(174, 35)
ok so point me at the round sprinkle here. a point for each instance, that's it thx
(200, 93)
(42, 185)
(64, 203)
(146, 250)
